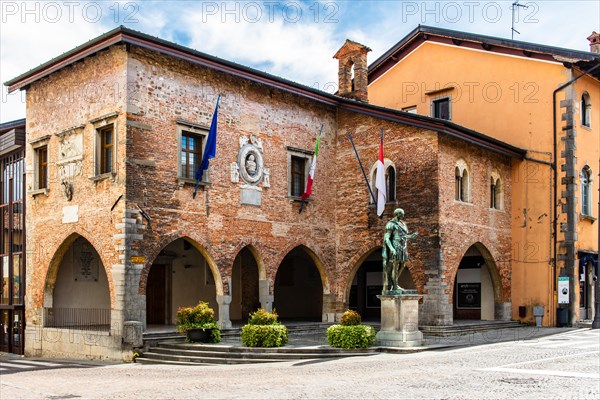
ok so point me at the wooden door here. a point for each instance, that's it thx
(156, 295)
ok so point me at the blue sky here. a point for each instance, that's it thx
(292, 39)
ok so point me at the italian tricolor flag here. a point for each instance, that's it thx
(311, 174)
(380, 181)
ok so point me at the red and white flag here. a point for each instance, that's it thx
(380, 181)
(311, 174)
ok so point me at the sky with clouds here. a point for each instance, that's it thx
(292, 39)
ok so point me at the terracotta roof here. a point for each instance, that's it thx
(422, 33)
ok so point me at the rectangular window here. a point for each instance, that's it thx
(441, 108)
(106, 148)
(411, 109)
(298, 171)
(191, 154)
(42, 167)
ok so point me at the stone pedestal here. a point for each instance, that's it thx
(400, 320)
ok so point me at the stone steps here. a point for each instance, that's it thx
(466, 329)
(205, 354)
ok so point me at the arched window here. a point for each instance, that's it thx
(390, 180)
(461, 179)
(586, 191)
(586, 110)
(390, 183)
(495, 191)
(352, 75)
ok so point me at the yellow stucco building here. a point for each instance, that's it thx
(512, 91)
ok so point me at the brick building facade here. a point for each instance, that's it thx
(117, 242)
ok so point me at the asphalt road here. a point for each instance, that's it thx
(565, 365)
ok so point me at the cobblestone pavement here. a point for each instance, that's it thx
(564, 365)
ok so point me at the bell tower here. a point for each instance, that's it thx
(352, 71)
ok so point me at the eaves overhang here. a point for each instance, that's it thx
(423, 33)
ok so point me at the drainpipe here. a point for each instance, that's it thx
(572, 307)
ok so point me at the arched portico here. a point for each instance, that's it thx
(245, 278)
(477, 290)
(300, 286)
(365, 282)
(181, 275)
(76, 289)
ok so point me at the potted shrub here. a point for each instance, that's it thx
(198, 323)
(263, 330)
(350, 334)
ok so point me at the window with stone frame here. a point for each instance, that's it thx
(586, 191)
(461, 182)
(298, 183)
(41, 167)
(106, 149)
(192, 139)
(586, 110)
(496, 191)
(191, 154)
(298, 168)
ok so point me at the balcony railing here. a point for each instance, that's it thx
(87, 319)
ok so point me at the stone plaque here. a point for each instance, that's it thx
(251, 197)
(70, 214)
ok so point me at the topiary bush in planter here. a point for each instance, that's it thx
(263, 330)
(198, 323)
(350, 334)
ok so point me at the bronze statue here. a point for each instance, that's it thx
(394, 251)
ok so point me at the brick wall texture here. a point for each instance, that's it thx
(143, 207)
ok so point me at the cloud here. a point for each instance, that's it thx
(32, 33)
(292, 39)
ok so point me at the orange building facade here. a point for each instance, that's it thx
(504, 89)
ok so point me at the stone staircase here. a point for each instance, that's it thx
(210, 354)
(467, 328)
(306, 341)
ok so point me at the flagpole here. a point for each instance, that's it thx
(377, 204)
(362, 169)
(303, 199)
(205, 156)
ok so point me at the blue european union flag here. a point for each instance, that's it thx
(210, 150)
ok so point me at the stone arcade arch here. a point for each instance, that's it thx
(76, 290)
(365, 282)
(477, 290)
(299, 286)
(248, 270)
(182, 274)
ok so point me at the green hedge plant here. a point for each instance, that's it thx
(263, 330)
(350, 334)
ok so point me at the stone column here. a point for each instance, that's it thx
(224, 301)
(264, 295)
(399, 320)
